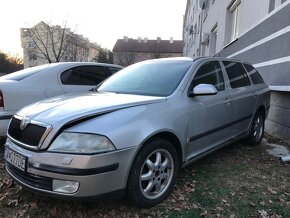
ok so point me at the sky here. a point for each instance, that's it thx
(101, 21)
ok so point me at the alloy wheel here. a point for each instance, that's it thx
(156, 174)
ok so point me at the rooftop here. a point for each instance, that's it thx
(148, 46)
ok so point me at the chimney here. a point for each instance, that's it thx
(139, 39)
(125, 38)
(171, 40)
(145, 39)
(158, 39)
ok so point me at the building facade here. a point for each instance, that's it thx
(254, 31)
(128, 51)
(44, 43)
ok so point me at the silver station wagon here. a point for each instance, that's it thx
(132, 133)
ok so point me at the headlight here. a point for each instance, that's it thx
(81, 143)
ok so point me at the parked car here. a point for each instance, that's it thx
(134, 132)
(36, 83)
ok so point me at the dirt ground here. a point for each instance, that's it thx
(237, 181)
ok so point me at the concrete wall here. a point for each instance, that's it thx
(278, 122)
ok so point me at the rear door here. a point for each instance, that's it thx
(82, 78)
(243, 96)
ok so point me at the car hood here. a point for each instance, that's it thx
(64, 109)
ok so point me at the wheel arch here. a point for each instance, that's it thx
(171, 137)
(261, 110)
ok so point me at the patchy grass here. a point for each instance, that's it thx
(237, 181)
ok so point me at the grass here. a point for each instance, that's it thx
(237, 181)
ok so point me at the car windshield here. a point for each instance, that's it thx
(147, 78)
(22, 74)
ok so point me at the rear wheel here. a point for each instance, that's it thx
(153, 173)
(257, 129)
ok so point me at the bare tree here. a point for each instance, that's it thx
(126, 58)
(49, 42)
(77, 46)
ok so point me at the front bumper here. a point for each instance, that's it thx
(97, 174)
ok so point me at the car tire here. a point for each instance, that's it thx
(153, 173)
(257, 130)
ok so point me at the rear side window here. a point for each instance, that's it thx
(209, 73)
(237, 74)
(253, 73)
(83, 75)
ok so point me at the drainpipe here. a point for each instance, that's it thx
(200, 32)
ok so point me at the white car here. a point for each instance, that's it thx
(26, 86)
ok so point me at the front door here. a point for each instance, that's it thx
(209, 117)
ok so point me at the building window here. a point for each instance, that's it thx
(274, 4)
(31, 45)
(194, 32)
(32, 56)
(271, 5)
(199, 22)
(213, 40)
(234, 19)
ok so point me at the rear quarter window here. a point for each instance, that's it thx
(236, 73)
(114, 69)
(254, 74)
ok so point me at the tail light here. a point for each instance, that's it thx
(1, 99)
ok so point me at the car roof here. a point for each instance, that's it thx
(196, 59)
(83, 63)
(221, 59)
(46, 68)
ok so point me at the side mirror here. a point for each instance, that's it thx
(203, 89)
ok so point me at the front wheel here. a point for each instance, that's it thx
(153, 174)
(257, 130)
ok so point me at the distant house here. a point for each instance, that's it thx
(129, 51)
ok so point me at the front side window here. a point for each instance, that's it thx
(147, 78)
(83, 75)
(209, 73)
(237, 74)
(253, 73)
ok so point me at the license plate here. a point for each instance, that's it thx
(15, 158)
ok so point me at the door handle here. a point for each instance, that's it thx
(227, 101)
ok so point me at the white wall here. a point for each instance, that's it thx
(250, 13)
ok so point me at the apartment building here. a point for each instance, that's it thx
(255, 31)
(129, 51)
(44, 43)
